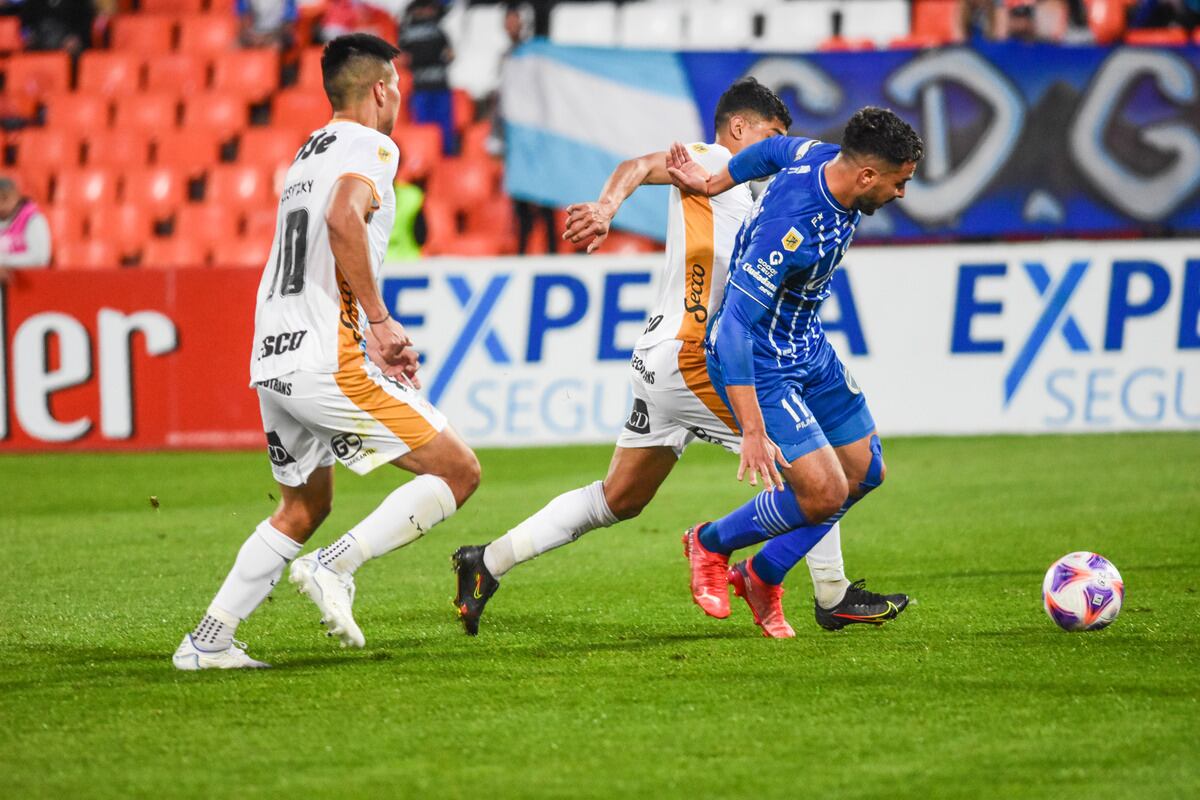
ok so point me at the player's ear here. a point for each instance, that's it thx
(867, 176)
(737, 127)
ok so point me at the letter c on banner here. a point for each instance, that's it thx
(816, 92)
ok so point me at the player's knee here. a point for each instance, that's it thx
(463, 476)
(876, 470)
(822, 502)
(302, 518)
(624, 501)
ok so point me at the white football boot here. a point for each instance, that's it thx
(333, 592)
(188, 658)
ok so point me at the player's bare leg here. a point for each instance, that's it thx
(260, 562)
(634, 476)
(447, 474)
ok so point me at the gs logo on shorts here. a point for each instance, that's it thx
(345, 445)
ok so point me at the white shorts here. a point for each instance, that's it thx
(674, 402)
(357, 415)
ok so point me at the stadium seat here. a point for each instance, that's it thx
(110, 73)
(145, 34)
(310, 70)
(441, 224)
(117, 149)
(462, 109)
(914, 42)
(420, 149)
(85, 187)
(1156, 37)
(245, 252)
(840, 44)
(10, 35)
(935, 19)
(35, 183)
(147, 111)
(622, 243)
(190, 150)
(90, 253)
(270, 147)
(66, 224)
(650, 25)
(228, 6)
(260, 222)
(77, 111)
(239, 185)
(300, 108)
(47, 148)
(38, 74)
(208, 33)
(223, 113)
(182, 73)
(474, 141)
(127, 226)
(877, 20)
(466, 183)
(171, 6)
(798, 27)
(174, 252)
(163, 187)
(250, 74)
(209, 223)
(718, 26)
(593, 24)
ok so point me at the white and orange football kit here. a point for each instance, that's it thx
(321, 398)
(674, 402)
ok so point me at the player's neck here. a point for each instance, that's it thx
(840, 178)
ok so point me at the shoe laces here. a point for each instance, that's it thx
(858, 593)
(239, 647)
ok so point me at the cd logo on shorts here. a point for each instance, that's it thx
(851, 384)
(639, 418)
(276, 451)
(345, 445)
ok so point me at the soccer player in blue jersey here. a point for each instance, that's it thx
(806, 427)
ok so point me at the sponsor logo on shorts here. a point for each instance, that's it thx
(694, 302)
(703, 435)
(276, 385)
(639, 417)
(851, 384)
(280, 343)
(639, 367)
(346, 445)
(276, 451)
(791, 240)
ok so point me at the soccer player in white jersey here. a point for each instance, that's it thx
(335, 374)
(674, 399)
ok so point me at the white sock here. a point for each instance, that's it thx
(258, 566)
(403, 516)
(826, 568)
(564, 519)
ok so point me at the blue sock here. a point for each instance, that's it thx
(767, 514)
(780, 554)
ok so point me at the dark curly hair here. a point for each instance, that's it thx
(343, 62)
(748, 95)
(874, 131)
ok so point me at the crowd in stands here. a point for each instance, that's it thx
(157, 132)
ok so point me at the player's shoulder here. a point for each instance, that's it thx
(709, 155)
(361, 141)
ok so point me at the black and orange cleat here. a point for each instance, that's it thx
(861, 607)
(475, 586)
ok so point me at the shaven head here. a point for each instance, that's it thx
(351, 67)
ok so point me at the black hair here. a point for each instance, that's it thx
(874, 131)
(748, 95)
(343, 56)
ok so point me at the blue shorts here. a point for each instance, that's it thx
(807, 406)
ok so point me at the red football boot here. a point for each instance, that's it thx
(710, 588)
(765, 600)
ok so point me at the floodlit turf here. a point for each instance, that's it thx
(594, 676)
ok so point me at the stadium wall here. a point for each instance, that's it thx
(1050, 337)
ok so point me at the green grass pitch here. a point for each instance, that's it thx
(594, 675)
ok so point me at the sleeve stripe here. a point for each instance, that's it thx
(366, 180)
(752, 297)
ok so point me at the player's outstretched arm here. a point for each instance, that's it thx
(346, 217)
(759, 160)
(588, 220)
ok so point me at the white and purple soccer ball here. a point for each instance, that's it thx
(1083, 592)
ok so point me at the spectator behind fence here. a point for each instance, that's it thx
(267, 23)
(428, 53)
(24, 231)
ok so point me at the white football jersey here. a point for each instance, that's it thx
(700, 236)
(307, 318)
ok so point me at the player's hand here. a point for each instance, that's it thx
(686, 173)
(587, 220)
(759, 457)
(390, 342)
(406, 370)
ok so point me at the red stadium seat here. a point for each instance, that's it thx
(85, 187)
(66, 224)
(250, 74)
(164, 187)
(495, 220)
(227, 6)
(420, 149)
(111, 73)
(467, 183)
(839, 44)
(47, 148)
(1156, 37)
(475, 139)
(38, 74)
(150, 112)
(190, 150)
(171, 6)
(246, 252)
(222, 113)
(240, 185)
(77, 112)
(10, 35)
(127, 226)
(209, 223)
(261, 222)
(117, 149)
(88, 253)
(184, 74)
(441, 222)
(620, 242)
(208, 33)
(35, 183)
(144, 34)
(174, 253)
(270, 147)
(310, 70)
(936, 20)
(299, 108)
(913, 43)
(462, 109)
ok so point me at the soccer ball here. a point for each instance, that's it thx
(1082, 592)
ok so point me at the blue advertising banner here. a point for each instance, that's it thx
(1020, 140)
